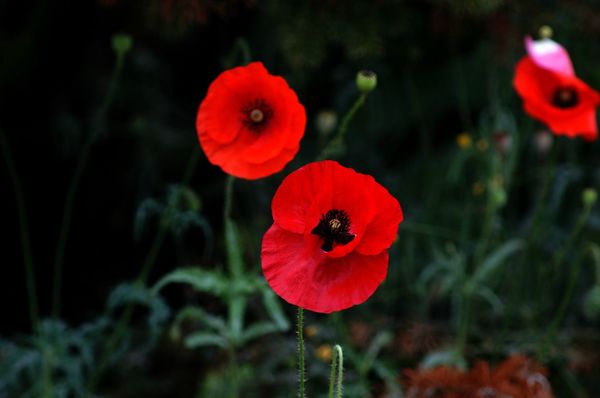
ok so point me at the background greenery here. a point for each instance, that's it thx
(498, 252)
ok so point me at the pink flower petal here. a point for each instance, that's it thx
(550, 55)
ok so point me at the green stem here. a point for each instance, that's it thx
(464, 319)
(337, 364)
(147, 266)
(24, 233)
(337, 142)
(74, 185)
(579, 224)
(562, 308)
(333, 373)
(301, 371)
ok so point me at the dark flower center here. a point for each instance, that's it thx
(256, 115)
(565, 97)
(333, 228)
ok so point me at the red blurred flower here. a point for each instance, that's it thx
(327, 248)
(516, 377)
(552, 93)
(250, 123)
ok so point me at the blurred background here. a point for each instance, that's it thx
(498, 253)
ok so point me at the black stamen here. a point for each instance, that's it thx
(565, 97)
(333, 228)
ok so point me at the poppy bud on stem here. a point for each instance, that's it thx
(121, 43)
(545, 32)
(366, 81)
(337, 366)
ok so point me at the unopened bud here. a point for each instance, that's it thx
(121, 43)
(326, 121)
(545, 32)
(543, 141)
(366, 81)
(502, 142)
(463, 140)
(589, 197)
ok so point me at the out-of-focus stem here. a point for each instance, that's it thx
(338, 141)
(74, 185)
(23, 231)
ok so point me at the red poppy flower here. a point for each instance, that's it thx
(250, 123)
(327, 248)
(552, 93)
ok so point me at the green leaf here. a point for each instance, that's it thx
(203, 339)
(495, 260)
(258, 329)
(492, 299)
(237, 308)
(198, 314)
(202, 280)
(273, 307)
(449, 357)
(232, 246)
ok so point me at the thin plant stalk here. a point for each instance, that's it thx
(337, 369)
(147, 266)
(301, 369)
(23, 233)
(560, 255)
(337, 142)
(74, 184)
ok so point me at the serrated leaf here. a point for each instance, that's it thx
(202, 280)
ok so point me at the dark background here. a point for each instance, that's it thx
(441, 65)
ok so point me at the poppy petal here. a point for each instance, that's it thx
(241, 146)
(315, 282)
(550, 55)
(383, 228)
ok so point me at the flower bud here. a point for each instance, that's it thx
(502, 142)
(366, 81)
(482, 145)
(589, 197)
(463, 140)
(543, 141)
(121, 43)
(324, 352)
(326, 122)
(545, 32)
(498, 196)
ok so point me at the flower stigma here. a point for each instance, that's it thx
(333, 228)
(565, 97)
(256, 115)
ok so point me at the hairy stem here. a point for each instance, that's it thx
(301, 371)
(337, 366)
